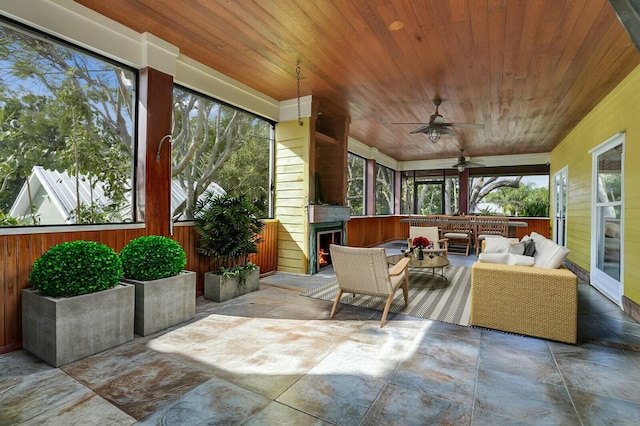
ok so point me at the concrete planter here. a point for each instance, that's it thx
(60, 331)
(163, 303)
(221, 289)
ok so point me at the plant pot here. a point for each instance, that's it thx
(63, 330)
(163, 303)
(220, 289)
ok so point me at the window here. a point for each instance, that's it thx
(356, 167)
(385, 178)
(66, 133)
(525, 196)
(218, 148)
(430, 192)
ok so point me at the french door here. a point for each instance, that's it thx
(607, 218)
(560, 207)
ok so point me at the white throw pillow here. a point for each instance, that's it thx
(516, 248)
(506, 259)
(549, 254)
(497, 244)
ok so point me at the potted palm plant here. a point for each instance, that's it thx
(77, 305)
(165, 292)
(229, 229)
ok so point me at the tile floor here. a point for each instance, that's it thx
(274, 358)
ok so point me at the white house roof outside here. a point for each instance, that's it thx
(59, 189)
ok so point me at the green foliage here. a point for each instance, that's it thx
(247, 170)
(75, 268)
(240, 271)
(525, 200)
(152, 257)
(7, 220)
(229, 227)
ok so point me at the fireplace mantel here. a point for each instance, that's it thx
(320, 213)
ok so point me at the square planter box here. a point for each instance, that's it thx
(163, 303)
(221, 289)
(63, 330)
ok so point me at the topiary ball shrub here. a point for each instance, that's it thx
(75, 268)
(152, 257)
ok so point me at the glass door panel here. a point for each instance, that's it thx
(606, 240)
(428, 198)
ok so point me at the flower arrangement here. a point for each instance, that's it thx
(420, 242)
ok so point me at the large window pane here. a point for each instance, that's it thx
(218, 148)
(66, 133)
(384, 189)
(356, 167)
(524, 196)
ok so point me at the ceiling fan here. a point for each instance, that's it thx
(437, 125)
(463, 163)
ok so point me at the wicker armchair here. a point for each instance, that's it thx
(366, 271)
(526, 300)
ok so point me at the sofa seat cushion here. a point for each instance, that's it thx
(506, 259)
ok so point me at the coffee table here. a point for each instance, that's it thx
(433, 259)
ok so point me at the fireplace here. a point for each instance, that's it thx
(321, 236)
(324, 239)
(327, 225)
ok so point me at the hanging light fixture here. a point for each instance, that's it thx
(434, 134)
(460, 168)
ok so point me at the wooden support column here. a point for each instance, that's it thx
(370, 189)
(154, 177)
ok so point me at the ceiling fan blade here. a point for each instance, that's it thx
(447, 131)
(421, 129)
(467, 125)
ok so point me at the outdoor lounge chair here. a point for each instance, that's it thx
(366, 271)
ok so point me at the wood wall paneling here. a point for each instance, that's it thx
(18, 252)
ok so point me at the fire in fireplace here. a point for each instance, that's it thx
(324, 239)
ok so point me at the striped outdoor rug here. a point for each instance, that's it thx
(429, 296)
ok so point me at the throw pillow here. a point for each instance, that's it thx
(496, 245)
(517, 248)
(529, 247)
(550, 255)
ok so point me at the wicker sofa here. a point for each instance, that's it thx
(529, 300)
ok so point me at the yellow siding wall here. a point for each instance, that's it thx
(292, 195)
(618, 112)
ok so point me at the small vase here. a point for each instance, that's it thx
(420, 254)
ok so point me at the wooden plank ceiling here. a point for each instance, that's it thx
(527, 70)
